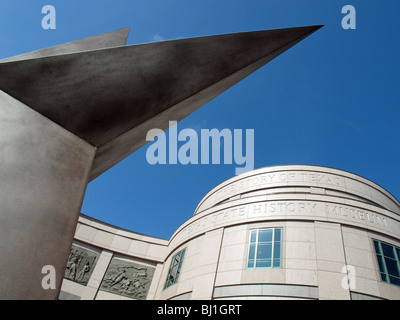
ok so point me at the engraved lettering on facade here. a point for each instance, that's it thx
(291, 207)
(245, 211)
(293, 176)
(356, 214)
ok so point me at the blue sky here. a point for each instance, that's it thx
(331, 100)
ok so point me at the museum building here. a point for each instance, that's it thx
(281, 232)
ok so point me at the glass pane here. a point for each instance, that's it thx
(183, 253)
(383, 277)
(169, 281)
(380, 263)
(263, 264)
(175, 268)
(387, 250)
(264, 251)
(394, 280)
(265, 235)
(170, 278)
(277, 236)
(391, 267)
(264, 243)
(376, 246)
(252, 251)
(250, 264)
(277, 263)
(277, 250)
(253, 236)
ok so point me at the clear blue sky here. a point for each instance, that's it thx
(332, 100)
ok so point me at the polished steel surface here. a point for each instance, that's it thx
(44, 171)
(70, 112)
(112, 97)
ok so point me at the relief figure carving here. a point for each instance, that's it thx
(80, 265)
(127, 279)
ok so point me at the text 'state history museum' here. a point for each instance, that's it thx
(282, 232)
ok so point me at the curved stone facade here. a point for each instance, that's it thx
(283, 232)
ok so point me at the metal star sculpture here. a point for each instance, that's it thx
(70, 112)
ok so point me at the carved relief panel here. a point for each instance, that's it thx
(80, 265)
(127, 279)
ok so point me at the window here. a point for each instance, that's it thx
(174, 269)
(387, 256)
(265, 248)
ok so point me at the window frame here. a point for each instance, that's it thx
(257, 243)
(168, 283)
(380, 256)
